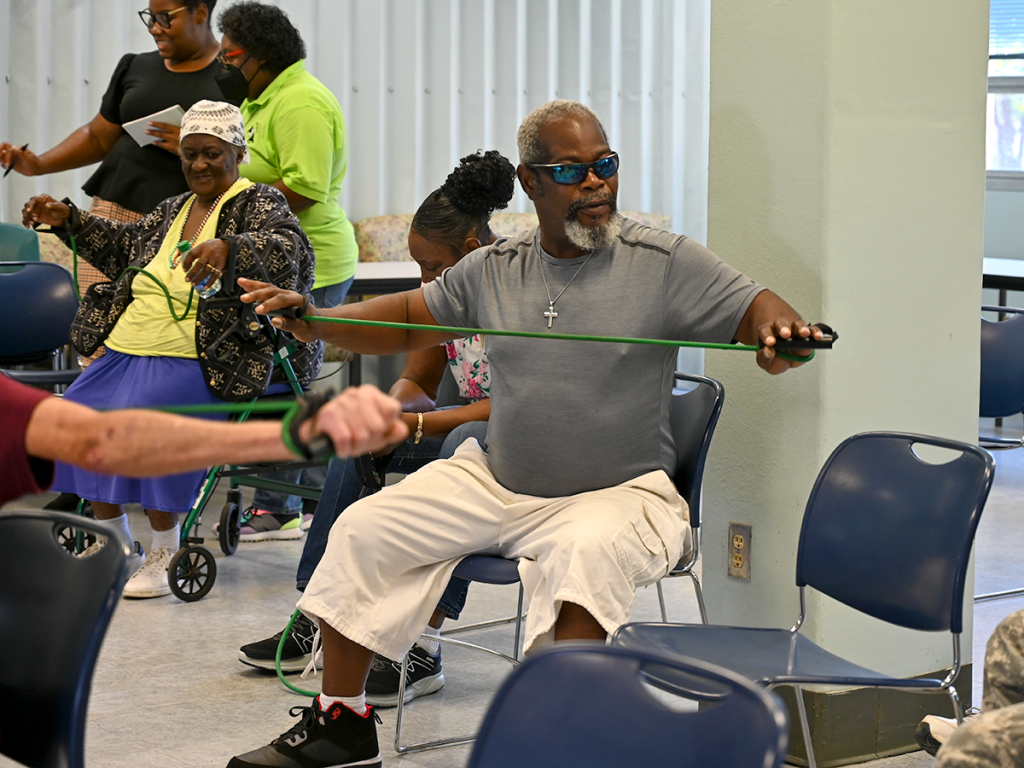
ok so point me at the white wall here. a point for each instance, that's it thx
(847, 173)
(422, 83)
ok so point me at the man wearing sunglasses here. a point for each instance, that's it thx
(574, 480)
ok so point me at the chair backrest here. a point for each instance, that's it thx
(1002, 364)
(694, 416)
(18, 243)
(889, 532)
(54, 612)
(37, 305)
(588, 705)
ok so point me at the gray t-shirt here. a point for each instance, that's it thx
(574, 416)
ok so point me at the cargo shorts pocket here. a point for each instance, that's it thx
(648, 546)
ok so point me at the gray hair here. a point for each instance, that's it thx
(531, 148)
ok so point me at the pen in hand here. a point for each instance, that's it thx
(14, 162)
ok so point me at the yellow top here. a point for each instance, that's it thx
(147, 328)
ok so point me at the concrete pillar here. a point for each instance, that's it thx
(846, 173)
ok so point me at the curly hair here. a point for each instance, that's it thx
(531, 148)
(265, 31)
(481, 184)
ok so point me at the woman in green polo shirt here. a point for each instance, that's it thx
(296, 136)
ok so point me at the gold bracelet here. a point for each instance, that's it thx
(419, 429)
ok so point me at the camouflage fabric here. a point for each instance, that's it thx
(271, 247)
(995, 738)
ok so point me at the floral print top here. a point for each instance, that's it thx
(468, 361)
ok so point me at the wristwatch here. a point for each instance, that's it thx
(419, 429)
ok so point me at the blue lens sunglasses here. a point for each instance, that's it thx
(574, 173)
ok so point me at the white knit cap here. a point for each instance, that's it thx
(216, 118)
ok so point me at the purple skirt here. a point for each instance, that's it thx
(116, 381)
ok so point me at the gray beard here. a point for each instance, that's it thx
(592, 238)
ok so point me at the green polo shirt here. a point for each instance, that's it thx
(296, 132)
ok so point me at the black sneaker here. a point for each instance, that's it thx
(294, 656)
(425, 676)
(65, 502)
(337, 738)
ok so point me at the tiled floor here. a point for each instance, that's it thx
(169, 691)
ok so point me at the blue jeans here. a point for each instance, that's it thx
(314, 477)
(343, 487)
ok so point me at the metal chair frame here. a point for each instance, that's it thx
(873, 496)
(694, 416)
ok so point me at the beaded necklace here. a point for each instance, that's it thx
(174, 258)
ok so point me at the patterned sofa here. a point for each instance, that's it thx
(383, 238)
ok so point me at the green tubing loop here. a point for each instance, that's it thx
(277, 660)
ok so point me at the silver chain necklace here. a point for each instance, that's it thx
(550, 314)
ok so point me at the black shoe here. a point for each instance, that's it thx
(425, 676)
(337, 738)
(65, 502)
(294, 656)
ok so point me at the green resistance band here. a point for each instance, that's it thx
(140, 270)
(277, 660)
(563, 336)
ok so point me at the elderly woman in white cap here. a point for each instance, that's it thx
(174, 348)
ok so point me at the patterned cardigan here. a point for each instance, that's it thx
(271, 247)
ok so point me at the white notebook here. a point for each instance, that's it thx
(137, 128)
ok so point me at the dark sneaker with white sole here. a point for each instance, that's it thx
(337, 738)
(934, 731)
(295, 655)
(425, 676)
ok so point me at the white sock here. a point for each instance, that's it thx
(170, 539)
(433, 647)
(121, 524)
(356, 703)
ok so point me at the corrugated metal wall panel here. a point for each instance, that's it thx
(422, 82)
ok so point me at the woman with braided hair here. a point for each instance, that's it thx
(451, 222)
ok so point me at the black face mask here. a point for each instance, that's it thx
(232, 82)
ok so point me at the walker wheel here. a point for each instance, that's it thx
(230, 529)
(68, 537)
(191, 573)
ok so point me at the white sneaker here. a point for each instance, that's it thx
(934, 731)
(137, 560)
(151, 579)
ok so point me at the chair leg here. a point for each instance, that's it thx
(700, 598)
(404, 749)
(805, 726)
(661, 602)
(958, 708)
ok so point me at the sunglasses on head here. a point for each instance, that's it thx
(161, 18)
(574, 173)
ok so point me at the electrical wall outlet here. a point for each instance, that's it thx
(739, 551)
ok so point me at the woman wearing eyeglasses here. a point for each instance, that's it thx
(298, 142)
(131, 180)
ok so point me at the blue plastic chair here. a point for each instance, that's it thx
(590, 705)
(694, 416)
(18, 243)
(885, 532)
(54, 611)
(696, 406)
(37, 304)
(1002, 388)
(1002, 369)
